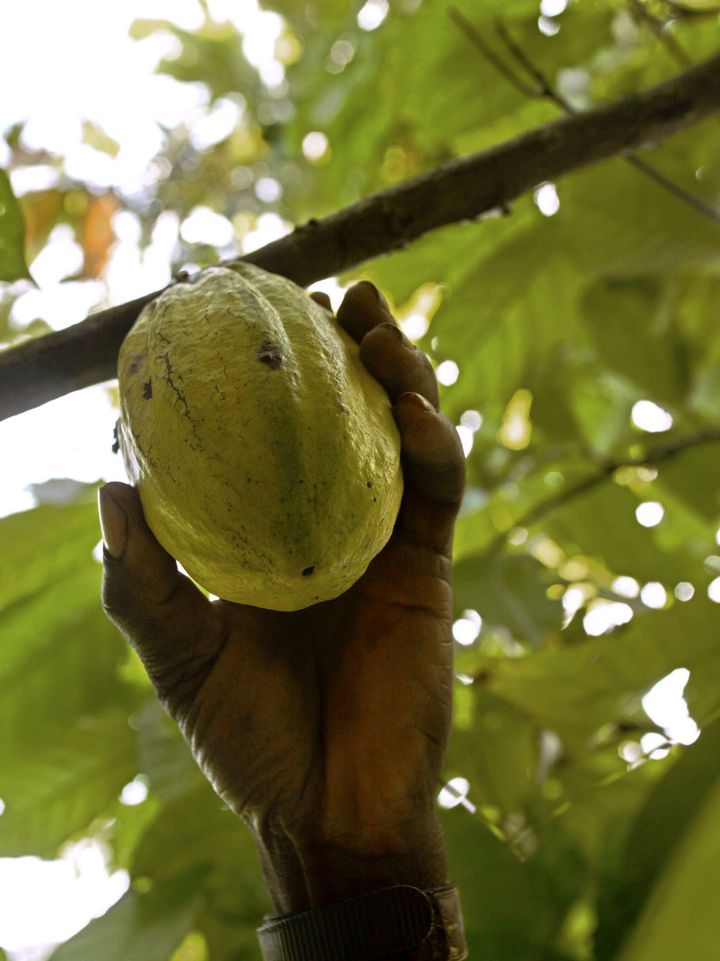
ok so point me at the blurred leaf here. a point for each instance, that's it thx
(680, 919)
(66, 749)
(98, 234)
(59, 788)
(140, 927)
(94, 136)
(164, 755)
(213, 56)
(508, 591)
(654, 358)
(668, 817)
(37, 547)
(578, 690)
(600, 524)
(41, 210)
(12, 234)
(196, 835)
(60, 654)
(520, 927)
(500, 331)
(498, 754)
(694, 476)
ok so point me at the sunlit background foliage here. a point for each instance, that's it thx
(577, 343)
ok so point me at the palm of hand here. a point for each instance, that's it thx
(331, 716)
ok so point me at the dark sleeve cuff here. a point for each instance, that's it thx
(400, 921)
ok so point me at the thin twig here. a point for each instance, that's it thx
(502, 68)
(545, 90)
(550, 93)
(689, 198)
(655, 456)
(671, 43)
(682, 12)
(544, 87)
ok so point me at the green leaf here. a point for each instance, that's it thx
(196, 835)
(680, 920)
(66, 748)
(511, 909)
(578, 690)
(501, 332)
(498, 754)
(600, 524)
(508, 591)
(164, 755)
(63, 785)
(659, 830)
(140, 927)
(694, 476)
(12, 234)
(213, 56)
(654, 357)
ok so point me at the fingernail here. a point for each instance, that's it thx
(417, 400)
(398, 333)
(114, 524)
(378, 296)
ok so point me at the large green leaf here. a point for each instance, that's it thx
(12, 234)
(601, 524)
(654, 358)
(195, 835)
(64, 784)
(66, 749)
(497, 754)
(578, 690)
(661, 827)
(680, 919)
(508, 591)
(140, 927)
(510, 908)
(694, 476)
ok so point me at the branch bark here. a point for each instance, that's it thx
(464, 189)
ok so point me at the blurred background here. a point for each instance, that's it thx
(576, 343)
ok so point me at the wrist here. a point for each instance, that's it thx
(303, 873)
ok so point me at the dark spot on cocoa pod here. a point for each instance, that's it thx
(116, 441)
(308, 571)
(147, 390)
(136, 363)
(269, 353)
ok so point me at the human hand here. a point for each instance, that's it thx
(325, 729)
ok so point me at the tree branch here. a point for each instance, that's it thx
(464, 189)
(654, 456)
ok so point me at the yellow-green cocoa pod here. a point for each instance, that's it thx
(266, 456)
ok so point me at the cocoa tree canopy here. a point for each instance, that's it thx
(538, 197)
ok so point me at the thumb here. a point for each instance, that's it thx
(168, 620)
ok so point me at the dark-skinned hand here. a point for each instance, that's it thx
(325, 729)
